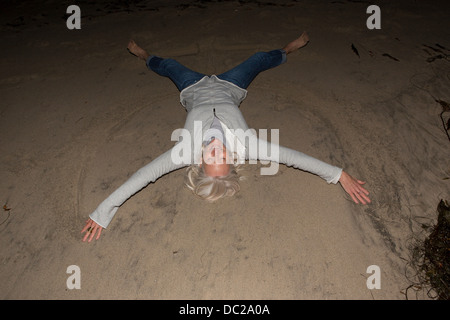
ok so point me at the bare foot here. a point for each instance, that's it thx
(297, 43)
(137, 51)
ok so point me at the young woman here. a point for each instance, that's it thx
(216, 138)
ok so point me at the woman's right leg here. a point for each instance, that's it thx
(180, 75)
(243, 74)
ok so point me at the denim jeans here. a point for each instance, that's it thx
(241, 75)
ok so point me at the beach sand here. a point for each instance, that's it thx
(79, 115)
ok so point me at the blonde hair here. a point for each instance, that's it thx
(212, 188)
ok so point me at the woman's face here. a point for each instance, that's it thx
(214, 160)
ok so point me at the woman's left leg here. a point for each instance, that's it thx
(180, 75)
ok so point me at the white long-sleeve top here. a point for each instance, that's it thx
(202, 100)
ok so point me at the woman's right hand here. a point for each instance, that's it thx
(91, 228)
(354, 188)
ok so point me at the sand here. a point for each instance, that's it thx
(79, 115)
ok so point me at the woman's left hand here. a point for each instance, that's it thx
(91, 228)
(354, 188)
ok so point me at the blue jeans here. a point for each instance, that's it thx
(241, 75)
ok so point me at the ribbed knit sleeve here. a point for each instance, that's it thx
(296, 159)
(147, 174)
